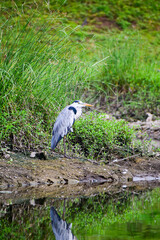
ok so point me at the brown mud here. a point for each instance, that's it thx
(22, 177)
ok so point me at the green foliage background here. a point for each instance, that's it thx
(54, 52)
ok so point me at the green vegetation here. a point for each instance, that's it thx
(98, 138)
(102, 212)
(121, 13)
(29, 224)
(48, 60)
(38, 74)
(120, 215)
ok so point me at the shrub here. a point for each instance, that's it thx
(101, 138)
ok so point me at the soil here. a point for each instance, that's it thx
(22, 177)
(103, 22)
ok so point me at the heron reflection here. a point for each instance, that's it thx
(61, 229)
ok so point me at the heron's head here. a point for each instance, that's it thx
(79, 103)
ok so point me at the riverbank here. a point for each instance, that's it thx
(101, 56)
(57, 176)
(43, 170)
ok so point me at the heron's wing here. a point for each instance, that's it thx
(62, 126)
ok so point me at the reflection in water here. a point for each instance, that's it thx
(116, 216)
(61, 229)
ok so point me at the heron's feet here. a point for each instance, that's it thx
(65, 156)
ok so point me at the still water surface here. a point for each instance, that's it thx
(122, 215)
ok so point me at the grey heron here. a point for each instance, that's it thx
(64, 122)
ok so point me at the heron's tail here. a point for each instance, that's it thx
(55, 140)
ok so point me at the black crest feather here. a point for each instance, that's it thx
(73, 109)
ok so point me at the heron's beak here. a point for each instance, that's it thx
(88, 105)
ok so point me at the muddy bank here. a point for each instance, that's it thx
(24, 171)
(23, 177)
(148, 130)
(69, 191)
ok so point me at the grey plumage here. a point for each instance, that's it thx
(65, 121)
(61, 229)
(62, 126)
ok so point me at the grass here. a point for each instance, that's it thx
(47, 61)
(39, 74)
(130, 74)
(124, 13)
(129, 64)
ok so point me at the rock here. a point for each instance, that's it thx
(117, 114)
(151, 128)
(107, 117)
(33, 154)
(156, 154)
(139, 160)
(5, 192)
(95, 178)
(149, 118)
(33, 183)
(73, 181)
(39, 155)
(127, 176)
(7, 156)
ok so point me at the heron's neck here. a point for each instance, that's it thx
(79, 112)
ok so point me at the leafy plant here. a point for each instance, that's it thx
(101, 138)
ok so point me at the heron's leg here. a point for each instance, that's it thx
(64, 209)
(64, 141)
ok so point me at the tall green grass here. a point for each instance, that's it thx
(130, 71)
(131, 65)
(39, 75)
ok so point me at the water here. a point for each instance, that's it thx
(146, 178)
(128, 214)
